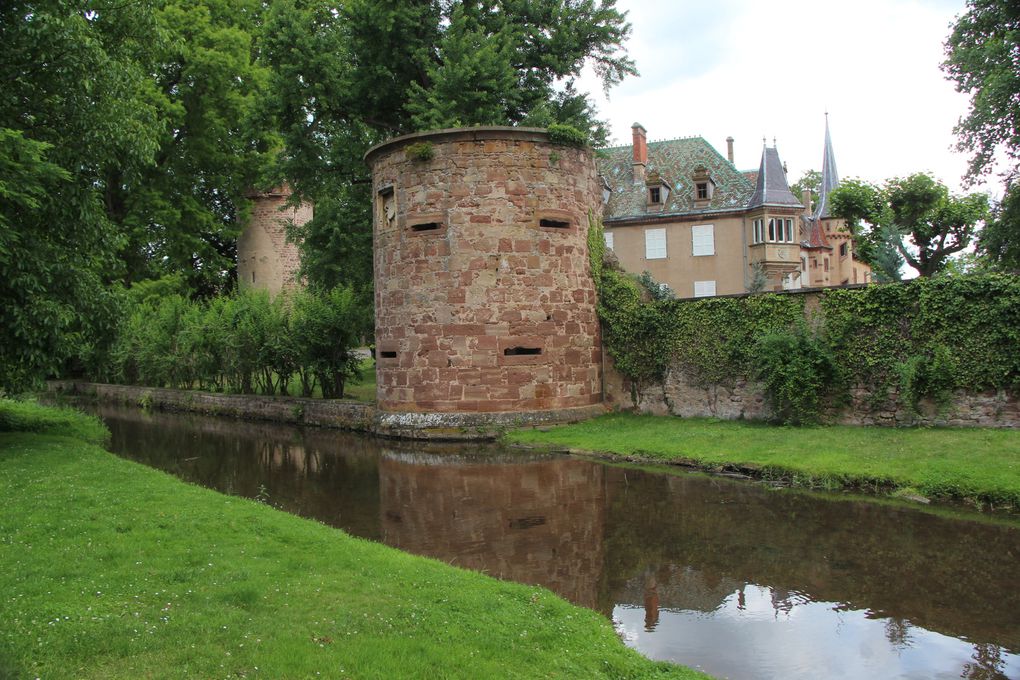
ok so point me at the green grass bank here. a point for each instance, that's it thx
(109, 569)
(981, 466)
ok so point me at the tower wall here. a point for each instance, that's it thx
(484, 296)
(265, 259)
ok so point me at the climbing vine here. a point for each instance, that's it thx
(916, 340)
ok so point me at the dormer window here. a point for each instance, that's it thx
(703, 186)
(658, 190)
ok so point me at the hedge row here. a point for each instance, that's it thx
(243, 343)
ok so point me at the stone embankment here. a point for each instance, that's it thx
(335, 413)
(744, 399)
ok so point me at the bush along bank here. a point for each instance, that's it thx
(113, 570)
(243, 343)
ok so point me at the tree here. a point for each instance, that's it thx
(811, 179)
(346, 79)
(860, 204)
(916, 215)
(183, 213)
(981, 58)
(73, 105)
(999, 241)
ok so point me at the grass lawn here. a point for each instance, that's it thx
(109, 569)
(980, 465)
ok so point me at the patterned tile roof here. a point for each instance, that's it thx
(675, 161)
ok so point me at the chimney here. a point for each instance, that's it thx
(729, 149)
(640, 147)
(805, 198)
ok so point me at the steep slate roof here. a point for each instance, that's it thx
(674, 160)
(772, 189)
(830, 178)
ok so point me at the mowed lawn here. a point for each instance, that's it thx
(981, 465)
(109, 569)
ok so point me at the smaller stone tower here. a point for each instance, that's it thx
(265, 259)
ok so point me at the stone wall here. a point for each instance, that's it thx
(266, 260)
(744, 399)
(484, 296)
(335, 413)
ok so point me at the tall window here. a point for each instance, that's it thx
(609, 239)
(759, 231)
(780, 230)
(655, 244)
(702, 190)
(703, 237)
(655, 195)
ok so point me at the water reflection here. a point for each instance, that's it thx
(730, 577)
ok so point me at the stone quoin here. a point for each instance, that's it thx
(484, 299)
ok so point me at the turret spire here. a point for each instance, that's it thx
(830, 177)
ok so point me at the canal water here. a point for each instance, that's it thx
(734, 578)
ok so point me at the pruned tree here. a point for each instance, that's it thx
(915, 215)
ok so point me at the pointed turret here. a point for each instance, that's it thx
(771, 188)
(830, 178)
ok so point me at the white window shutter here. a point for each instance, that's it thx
(609, 239)
(704, 288)
(655, 244)
(703, 239)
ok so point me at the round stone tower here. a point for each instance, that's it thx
(484, 300)
(265, 258)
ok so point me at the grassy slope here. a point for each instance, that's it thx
(111, 570)
(955, 463)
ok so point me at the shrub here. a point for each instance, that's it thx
(567, 135)
(798, 371)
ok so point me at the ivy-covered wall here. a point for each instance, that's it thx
(927, 351)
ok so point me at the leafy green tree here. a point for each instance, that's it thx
(344, 79)
(811, 179)
(981, 58)
(73, 104)
(860, 204)
(183, 213)
(999, 241)
(916, 215)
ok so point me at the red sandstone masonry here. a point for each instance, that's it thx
(483, 286)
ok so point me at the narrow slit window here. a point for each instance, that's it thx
(387, 355)
(553, 224)
(521, 351)
(427, 226)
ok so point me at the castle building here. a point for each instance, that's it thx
(681, 211)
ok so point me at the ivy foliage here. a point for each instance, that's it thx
(798, 371)
(915, 340)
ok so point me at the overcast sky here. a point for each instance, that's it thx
(772, 68)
